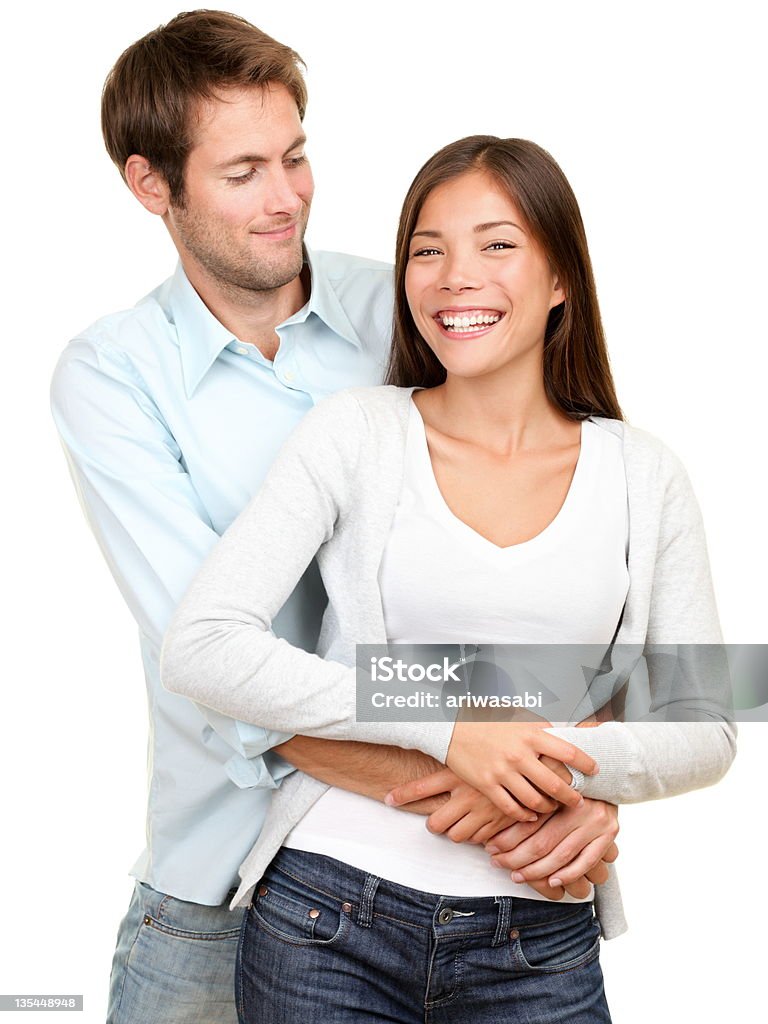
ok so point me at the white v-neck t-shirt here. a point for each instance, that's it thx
(442, 582)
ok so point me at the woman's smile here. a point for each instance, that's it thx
(463, 322)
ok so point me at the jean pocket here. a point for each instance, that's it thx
(557, 945)
(173, 916)
(292, 912)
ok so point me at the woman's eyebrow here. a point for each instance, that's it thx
(478, 228)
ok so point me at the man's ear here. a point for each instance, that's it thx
(149, 187)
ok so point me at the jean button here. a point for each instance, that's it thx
(445, 916)
(514, 934)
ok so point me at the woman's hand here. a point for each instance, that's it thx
(502, 761)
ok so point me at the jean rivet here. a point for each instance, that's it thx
(314, 914)
(147, 920)
(514, 934)
(263, 890)
(445, 916)
(347, 908)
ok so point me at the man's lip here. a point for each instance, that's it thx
(278, 233)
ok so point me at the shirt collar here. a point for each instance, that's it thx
(202, 338)
(324, 302)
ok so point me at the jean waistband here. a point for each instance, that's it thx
(503, 917)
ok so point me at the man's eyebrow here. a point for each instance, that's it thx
(256, 158)
(478, 228)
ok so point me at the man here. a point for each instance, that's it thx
(170, 414)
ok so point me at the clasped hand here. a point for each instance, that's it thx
(557, 843)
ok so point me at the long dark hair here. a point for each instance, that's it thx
(577, 373)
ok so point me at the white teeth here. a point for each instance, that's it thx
(466, 323)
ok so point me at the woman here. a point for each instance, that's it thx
(493, 495)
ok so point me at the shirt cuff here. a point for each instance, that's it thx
(265, 772)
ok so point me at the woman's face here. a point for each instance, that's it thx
(479, 287)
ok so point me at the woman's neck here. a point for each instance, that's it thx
(503, 415)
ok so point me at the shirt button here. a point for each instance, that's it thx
(242, 350)
(445, 916)
(289, 375)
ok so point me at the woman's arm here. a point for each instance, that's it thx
(646, 760)
(219, 650)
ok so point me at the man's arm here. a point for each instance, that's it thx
(366, 768)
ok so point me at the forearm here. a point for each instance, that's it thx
(649, 760)
(366, 768)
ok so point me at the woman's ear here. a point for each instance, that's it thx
(149, 187)
(558, 292)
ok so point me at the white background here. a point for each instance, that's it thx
(656, 113)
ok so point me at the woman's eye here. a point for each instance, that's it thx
(429, 251)
(498, 246)
(242, 179)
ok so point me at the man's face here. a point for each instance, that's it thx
(247, 191)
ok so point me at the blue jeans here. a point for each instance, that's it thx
(174, 962)
(325, 941)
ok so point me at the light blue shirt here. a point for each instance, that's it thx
(169, 425)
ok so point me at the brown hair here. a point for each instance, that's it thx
(150, 95)
(577, 373)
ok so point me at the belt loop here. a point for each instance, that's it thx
(504, 920)
(365, 914)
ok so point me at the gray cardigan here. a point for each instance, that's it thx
(332, 492)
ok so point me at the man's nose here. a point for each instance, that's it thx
(282, 197)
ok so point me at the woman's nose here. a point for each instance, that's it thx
(459, 274)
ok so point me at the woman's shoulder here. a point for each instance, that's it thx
(372, 404)
(645, 454)
(346, 419)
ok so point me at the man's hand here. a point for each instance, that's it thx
(466, 816)
(560, 848)
(580, 889)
